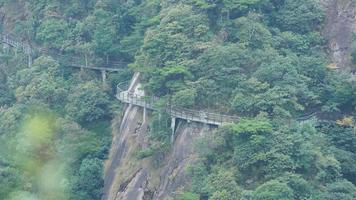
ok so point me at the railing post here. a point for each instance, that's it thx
(173, 126)
(144, 102)
(129, 97)
(86, 60)
(6, 46)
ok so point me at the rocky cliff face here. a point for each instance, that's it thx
(339, 27)
(150, 183)
(173, 175)
(130, 178)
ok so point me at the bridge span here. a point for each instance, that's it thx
(81, 62)
(148, 102)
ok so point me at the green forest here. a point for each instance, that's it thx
(265, 61)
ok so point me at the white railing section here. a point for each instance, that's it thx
(148, 102)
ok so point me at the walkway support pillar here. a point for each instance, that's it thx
(28, 51)
(5, 48)
(29, 60)
(173, 126)
(144, 115)
(103, 76)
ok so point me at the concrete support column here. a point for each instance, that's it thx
(5, 48)
(103, 76)
(173, 126)
(144, 115)
(29, 60)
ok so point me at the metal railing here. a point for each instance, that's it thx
(183, 113)
(7, 39)
(68, 60)
(122, 93)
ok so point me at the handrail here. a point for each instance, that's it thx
(122, 93)
(72, 61)
(7, 39)
(184, 113)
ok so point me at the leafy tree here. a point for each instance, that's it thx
(273, 190)
(221, 185)
(104, 33)
(302, 189)
(298, 16)
(89, 180)
(217, 73)
(339, 190)
(87, 102)
(54, 32)
(10, 119)
(168, 45)
(169, 79)
(6, 95)
(338, 93)
(184, 98)
(243, 5)
(263, 60)
(188, 196)
(36, 85)
(250, 31)
(9, 182)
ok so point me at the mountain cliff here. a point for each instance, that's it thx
(285, 69)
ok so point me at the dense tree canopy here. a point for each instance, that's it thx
(263, 60)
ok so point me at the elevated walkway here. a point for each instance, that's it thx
(123, 93)
(148, 102)
(70, 61)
